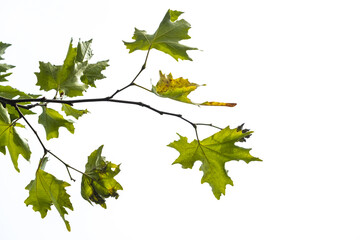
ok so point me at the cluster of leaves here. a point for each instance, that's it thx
(71, 80)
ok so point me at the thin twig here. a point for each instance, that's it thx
(45, 149)
(31, 127)
(137, 75)
(68, 166)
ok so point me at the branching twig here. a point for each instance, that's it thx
(137, 75)
(41, 101)
(46, 151)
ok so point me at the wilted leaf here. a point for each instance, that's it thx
(45, 191)
(179, 88)
(98, 182)
(213, 152)
(166, 38)
(52, 121)
(10, 138)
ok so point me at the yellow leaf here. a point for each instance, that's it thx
(179, 88)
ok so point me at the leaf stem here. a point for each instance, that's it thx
(142, 87)
(208, 124)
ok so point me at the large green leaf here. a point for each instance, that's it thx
(45, 191)
(10, 138)
(179, 88)
(75, 75)
(98, 182)
(166, 38)
(214, 152)
(52, 120)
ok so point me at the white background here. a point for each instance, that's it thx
(292, 67)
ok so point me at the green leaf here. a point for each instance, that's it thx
(10, 138)
(213, 152)
(45, 191)
(84, 52)
(93, 73)
(3, 47)
(52, 121)
(70, 111)
(3, 77)
(4, 67)
(10, 92)
(75, 75)
(166, 38)
(179, 88)
(98, 181)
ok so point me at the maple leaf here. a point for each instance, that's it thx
(4, 67)
(179, 88)
(166, 38)
(45, 191)
(98, 181)
(10, 92)
(52, 121)
(213, 152)
(70, 111)
(75, 75)
(10, 138)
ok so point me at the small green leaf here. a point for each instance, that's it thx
(10, 138)
(45, 191)
(98, 182)
(70, 111)
(166, 38)
(4, 67)
(213, 152)
(3, 77)
(3, 47)
(52, 121)
(75, 75)
(179, 88)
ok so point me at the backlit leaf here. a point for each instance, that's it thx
(52, 121)
(75, 75)
(45, 191)
(166, 38)
(4, 67)
(213, 152)
(10, 92)
(179, 88)
(98, 182)
(10, 138)
(70, 111)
